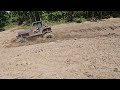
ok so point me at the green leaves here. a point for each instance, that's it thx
(53, 16)
(3, 18)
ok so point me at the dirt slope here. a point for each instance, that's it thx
(87, 50)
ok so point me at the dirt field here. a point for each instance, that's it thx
(89, 50)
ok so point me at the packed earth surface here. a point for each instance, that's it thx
(88, 50)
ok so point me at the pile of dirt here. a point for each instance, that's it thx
(74, 30)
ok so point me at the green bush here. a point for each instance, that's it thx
(53, 16)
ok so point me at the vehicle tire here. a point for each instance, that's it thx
(48, 36)
(20, 39)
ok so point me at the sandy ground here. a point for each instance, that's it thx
(89, 50)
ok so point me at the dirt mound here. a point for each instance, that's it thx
(68, 31)
(82, 33)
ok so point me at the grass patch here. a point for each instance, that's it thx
(9, 26)
(16, 27)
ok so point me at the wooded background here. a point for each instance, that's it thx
(18, 17)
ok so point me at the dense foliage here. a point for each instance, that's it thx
(18, 17)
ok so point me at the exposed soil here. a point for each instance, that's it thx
(89, 50)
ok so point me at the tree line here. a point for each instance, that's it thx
(18, 17)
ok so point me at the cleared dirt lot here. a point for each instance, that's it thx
(80, 51)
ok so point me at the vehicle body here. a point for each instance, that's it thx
(43, 31)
